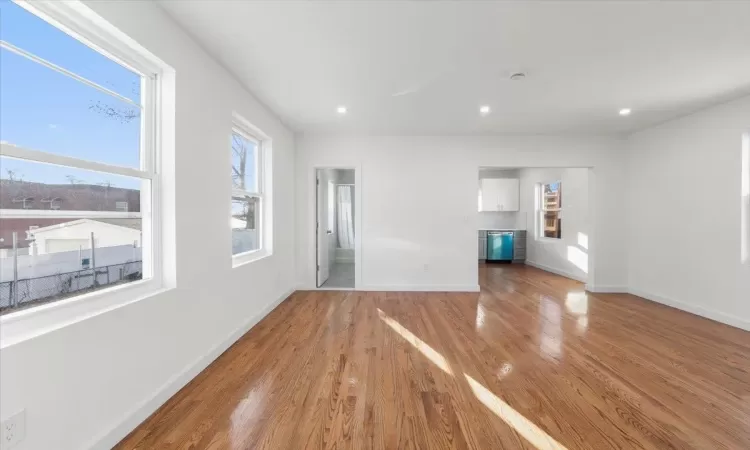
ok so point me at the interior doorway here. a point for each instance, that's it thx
(335, 228)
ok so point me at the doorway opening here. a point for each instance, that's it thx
(335, 228)
(538, 217)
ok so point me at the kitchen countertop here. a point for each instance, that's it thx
(500, 229)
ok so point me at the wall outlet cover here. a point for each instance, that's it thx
(13, 430)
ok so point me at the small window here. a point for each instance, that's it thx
(54, 203)
(247, 191)
(77, 162)
(550, 211)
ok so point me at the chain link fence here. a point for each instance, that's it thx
(31, 291)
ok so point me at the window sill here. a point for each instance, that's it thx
(29, 323)
(242, 259)
(548, 239)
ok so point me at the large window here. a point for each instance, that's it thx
(248, 201)
(550, 211)
(78, 178)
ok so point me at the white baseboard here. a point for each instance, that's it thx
(422, 288)
(139, 414)
(606, 289)
(718, 316)
(556, 271)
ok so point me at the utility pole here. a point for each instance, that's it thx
(93, 259)
(15, 269)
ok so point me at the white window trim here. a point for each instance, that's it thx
(80, 22)
(541, 210)
(263, 190)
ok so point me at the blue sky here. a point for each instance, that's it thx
(42, 109)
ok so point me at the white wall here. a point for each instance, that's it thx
(567, 256)
(419, 203)
(685, 214)
(87, 384)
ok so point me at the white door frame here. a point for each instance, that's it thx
(313, 215)
(322, 267)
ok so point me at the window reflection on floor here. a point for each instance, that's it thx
(550, 344)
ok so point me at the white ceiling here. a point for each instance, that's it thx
(425, 67)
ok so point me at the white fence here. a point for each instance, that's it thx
(36, 266)
(62, 285)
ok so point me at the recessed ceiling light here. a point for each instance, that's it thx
(625, 112)
(341, 110)
(484, 110)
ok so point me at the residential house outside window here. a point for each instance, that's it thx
(551, 210)
(78, 173)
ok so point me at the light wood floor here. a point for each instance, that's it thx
(531, 362)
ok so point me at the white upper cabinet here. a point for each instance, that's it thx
(499, 194)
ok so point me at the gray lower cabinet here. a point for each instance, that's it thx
(482, 245)
(519, 246)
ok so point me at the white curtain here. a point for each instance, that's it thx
(345, 218)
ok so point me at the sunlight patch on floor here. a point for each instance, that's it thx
(532, 433)
(420, 345)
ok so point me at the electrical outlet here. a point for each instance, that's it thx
(13, 430)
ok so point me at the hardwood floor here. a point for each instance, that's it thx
(531, 362)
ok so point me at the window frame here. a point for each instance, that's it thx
(82, 24)
(542, 209)
(250, 132)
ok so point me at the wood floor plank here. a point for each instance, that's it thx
(530, 362)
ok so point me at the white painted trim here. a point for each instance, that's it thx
(43, 62)
(421, 288)
(14, 151)
(606, 289)
(718, 316)
(556, 271)
(79, 21)
(241, 259)
(140, 413)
